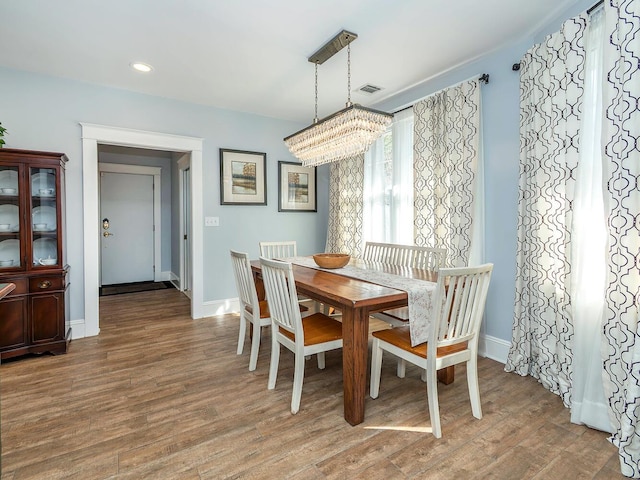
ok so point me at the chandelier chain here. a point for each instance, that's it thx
(315, 119)
(348, 75)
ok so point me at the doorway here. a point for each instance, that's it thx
(92, 136)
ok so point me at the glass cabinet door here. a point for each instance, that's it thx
(44, 222)
(9, 218)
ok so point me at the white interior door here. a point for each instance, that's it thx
(186, 228)
(127, 237)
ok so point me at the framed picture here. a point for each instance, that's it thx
(296, 188)
(243, 179)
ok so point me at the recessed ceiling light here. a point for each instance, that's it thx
(141, 67)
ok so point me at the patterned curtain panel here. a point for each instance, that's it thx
(621, 142)
(551, 90)
(446, 143)
(346, 183)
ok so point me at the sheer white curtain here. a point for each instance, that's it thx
(388, 184)
(588, 402)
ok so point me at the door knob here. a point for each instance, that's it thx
(107, 234)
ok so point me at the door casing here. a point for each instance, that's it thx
(92, 135)
(186, 247)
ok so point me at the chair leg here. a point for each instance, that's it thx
(474, 390)
(376, 368)
(275, 359)
(255, 345)
(321, 360)
(241, 334)
(298, 377)
(432, 397)
(402, 368)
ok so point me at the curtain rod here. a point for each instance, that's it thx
(484, 78)
(516, 66)
(595, 6)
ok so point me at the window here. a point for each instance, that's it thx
(388, 184)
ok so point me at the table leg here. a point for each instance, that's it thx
(446, 375)
(355, 334)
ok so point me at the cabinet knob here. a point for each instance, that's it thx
(45, 284)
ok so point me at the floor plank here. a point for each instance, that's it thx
(160, 396)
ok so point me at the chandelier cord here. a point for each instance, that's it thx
(349, 75)
(315, 119)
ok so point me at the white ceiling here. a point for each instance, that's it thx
(251, 55)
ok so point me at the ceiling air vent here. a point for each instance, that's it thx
(370, 89)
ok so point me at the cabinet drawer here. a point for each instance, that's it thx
(45, 284)
(22, 286)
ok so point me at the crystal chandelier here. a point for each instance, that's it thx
(344, 134)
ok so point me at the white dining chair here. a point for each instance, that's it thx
(252, 311)
(459, 301)
(278, 250)
(413, 256)
(312, 335)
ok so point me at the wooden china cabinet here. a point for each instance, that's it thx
(34, 317)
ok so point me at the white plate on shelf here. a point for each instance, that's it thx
(9, 214)
(43, 180)
(44, 248)
(10, 250)
(9, 179)
(44, 214)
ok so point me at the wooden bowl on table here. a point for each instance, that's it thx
(331, 260)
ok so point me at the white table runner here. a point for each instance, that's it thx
(420, 293)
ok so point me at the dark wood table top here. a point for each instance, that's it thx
(338, 289)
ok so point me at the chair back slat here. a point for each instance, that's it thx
(413, 256)
(278, 250)
(280, 288)
(244, 280)
(462, 293)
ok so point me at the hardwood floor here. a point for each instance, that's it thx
(160, 396)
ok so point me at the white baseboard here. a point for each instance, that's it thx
(78, 329)
(493, 348)
(168, 276)
(221, 307)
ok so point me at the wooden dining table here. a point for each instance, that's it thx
(356, 299)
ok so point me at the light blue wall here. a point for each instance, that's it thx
(501, 142)
(43, 113)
